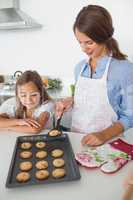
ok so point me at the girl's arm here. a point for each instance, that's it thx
(19, 125)
(42, 119)
(24, 129)
(6, 121)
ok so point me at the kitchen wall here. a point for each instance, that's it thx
(53, 50)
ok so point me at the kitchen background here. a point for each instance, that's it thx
(53, 49)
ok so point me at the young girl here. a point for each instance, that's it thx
(30, 110)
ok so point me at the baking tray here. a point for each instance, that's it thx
(62, 142)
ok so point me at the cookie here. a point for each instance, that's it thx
(41, 154)
(54, 133)
(43, 164)
(59, 162)
(58, 173)
(40, 145)
(23, 177)
(25, 166)
(57, 153)
(42, 174)
(26, 145)
(25, 154)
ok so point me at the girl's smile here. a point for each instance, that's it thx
(29, 95)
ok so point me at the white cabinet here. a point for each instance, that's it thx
(12, 17)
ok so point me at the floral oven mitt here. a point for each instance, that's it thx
(106, 157)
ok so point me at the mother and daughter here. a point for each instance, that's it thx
(102, 107)
(103, 99)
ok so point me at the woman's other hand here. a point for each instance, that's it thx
(93, 139)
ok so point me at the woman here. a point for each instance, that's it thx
(103, 100)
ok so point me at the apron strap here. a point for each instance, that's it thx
(107, 67)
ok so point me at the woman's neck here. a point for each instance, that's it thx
(93, 60)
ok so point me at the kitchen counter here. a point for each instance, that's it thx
(93, 184)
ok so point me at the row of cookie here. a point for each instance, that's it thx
(28, 145)
(41, 175)
(41, 154)
(43, 164)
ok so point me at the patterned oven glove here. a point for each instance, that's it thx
(105, 157)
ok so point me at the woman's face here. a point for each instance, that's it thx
(29, 95)
(91, 48)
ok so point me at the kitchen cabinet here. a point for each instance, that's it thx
(12, 17)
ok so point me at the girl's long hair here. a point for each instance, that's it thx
(96, 22)
(26, 77)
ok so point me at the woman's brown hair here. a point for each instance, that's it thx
(26, 77)
(96, 22)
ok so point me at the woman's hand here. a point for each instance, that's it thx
(63, 106)
(94, 139)
(28, 122)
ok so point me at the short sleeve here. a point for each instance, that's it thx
(9, 107)
(45, 107)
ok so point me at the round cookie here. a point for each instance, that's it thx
(26, 145)
(43, 164)
(42, 174)
(25, 166)
(59, 162)
(23, 177)
(25, 154)
(40, 145)
(54, 133)
(57, 153)
(58, 173)
(41, 154)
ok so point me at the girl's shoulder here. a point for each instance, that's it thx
(46, 106)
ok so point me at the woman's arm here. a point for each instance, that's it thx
(99, 138)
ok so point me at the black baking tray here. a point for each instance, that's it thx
(62, 142)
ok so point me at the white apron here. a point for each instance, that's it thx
(92, 111)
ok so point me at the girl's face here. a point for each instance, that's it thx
(29, 95)
(91, 48)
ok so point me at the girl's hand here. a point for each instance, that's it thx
(28, 122)
(94, 139)
(63, 105)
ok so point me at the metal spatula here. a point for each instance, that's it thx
(57, 127)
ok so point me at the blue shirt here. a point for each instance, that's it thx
(119, 85)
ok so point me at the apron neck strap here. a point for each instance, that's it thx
(107, 67)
